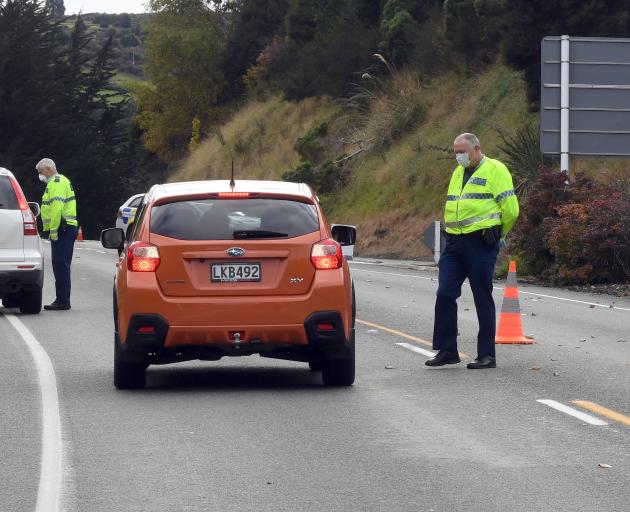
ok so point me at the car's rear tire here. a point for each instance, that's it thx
(30, 303)
(127, 375)
(316, 366)
(339, 372)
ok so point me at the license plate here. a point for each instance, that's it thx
(235, 272)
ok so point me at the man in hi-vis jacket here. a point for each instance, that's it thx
(59, 216)
(481, 208)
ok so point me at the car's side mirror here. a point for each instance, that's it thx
(113, 238)
(35, 209)
(345, 235)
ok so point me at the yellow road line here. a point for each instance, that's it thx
(603, 411)
(402, 335)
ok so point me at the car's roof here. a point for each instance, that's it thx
(5, 172)
(173, 190)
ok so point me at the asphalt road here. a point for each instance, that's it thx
(253, 434)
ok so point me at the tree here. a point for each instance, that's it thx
(56, 8)
(398, 31)
(255, 24)
(524, 23)
(325, 44)
(184, 50)
(464, 28)
(54, 102)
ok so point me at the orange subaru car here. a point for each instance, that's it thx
(219, 268)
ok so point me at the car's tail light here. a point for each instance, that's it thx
(143, 257)
(30, 223)
(234, 195)
(327, 255)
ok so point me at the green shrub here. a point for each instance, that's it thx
(326, 178)
(524, 158)
(575, 234)
(310, 146)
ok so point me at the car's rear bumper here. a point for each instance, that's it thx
(15, 281)
(150, 338)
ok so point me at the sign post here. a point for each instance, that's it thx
(564, 104)
(585, 97)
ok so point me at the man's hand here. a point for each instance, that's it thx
(45, 235)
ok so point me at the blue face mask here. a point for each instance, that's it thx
(462, 159)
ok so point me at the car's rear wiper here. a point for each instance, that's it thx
(257, 233)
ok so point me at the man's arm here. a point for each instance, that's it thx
(507, 200)
(56, 196)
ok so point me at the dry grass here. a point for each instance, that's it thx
(393, 235)
(385, 109)
(260, 138)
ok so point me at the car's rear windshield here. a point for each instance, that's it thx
(8, 201)
(234, 219)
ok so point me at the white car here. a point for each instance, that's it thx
(21, 252)
(127, 212)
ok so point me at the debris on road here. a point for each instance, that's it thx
(604, 466)
(390, 367)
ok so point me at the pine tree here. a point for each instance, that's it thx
(56, 8)
(53, 102)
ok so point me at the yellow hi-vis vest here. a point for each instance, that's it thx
(487, 200)
(59, 202)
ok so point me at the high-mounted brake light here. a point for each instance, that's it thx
(327, 255)
(234, 195)
(143, 257)
(28, 219)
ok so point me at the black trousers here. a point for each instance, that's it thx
(466, 256)
(62, 250)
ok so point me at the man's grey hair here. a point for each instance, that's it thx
(471, 138)
(46, 162)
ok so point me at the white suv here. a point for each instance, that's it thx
(21, 254)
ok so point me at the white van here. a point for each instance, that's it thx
(21, 253)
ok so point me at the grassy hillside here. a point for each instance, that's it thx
(393, 192)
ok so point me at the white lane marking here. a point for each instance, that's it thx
(606, 306)
(582, 416)
(394, 274)
(419, 350)
(573, 300)
(51, 474)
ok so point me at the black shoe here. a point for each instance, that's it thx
(444, 357)
(56, 306)
(483, 362)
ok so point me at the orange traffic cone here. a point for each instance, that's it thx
(510, 330)
(80, 235)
